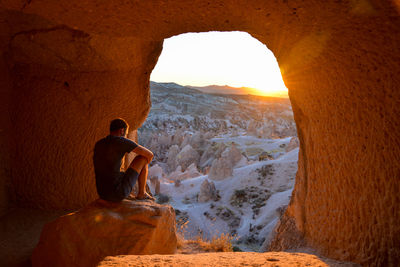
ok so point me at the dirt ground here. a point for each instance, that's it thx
(253, 259)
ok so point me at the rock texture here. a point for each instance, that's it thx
(294, 143)
(68, 67)
(187, 156)
(220, 169)
(103, 229)
(207, 191)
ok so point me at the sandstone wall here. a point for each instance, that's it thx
(75, 65)
(5, 85)
(67, 86)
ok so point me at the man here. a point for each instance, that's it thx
(112, 184)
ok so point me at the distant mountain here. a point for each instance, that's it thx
(225, 89)
(215, 89)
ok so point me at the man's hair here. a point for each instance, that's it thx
(118, 124)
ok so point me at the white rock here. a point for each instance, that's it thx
(155, 171)
(187, 156)
(294, 143)
(171, 158)
(207, 191)
(220, 169)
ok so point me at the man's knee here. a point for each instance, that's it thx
(138, 163)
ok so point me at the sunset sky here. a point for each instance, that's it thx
(219, 58)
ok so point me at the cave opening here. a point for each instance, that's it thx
(224, 137)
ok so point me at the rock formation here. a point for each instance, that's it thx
(294, 143)
(155, 171)
(232, 154)
(103, 229)
(155, 174)
(220, 169)
(190, 172)
(69, 67)
(207, 192)
(187, 156)
(208, 156)
(171, 157)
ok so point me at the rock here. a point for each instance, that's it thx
(156, 171)
(190, 172)
(207, 157)
(207, 192)
(187, 156)
(197, 140)
(220, 169)
(171, 157)
(155, 174)
(294, 143)
(186, 140)
(164, 140)
(223, 167)
(157, 187)
(102, 228)
(173, 176)
(233, 154)
(177, 139)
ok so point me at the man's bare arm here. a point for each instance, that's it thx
(141, 150)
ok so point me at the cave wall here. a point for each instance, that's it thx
(66, 87)
(73, 66)
(5, 124)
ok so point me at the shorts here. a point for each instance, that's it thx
(123, 188)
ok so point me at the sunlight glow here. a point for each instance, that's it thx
(220, 58)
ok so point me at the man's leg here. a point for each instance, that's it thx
(139, 164)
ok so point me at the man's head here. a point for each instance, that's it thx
(119, 127)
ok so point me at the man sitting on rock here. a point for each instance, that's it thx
(112, 184)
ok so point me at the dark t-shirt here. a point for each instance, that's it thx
(107, 158)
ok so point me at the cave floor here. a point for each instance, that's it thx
(20, 230)
(224, 259)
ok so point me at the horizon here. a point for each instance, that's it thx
(222, 92)
(234, 59)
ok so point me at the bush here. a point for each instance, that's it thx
(161, 199)
(219, 243)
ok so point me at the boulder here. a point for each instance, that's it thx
(207, 192)
(102, 228)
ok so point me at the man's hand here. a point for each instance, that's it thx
(141, 150)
